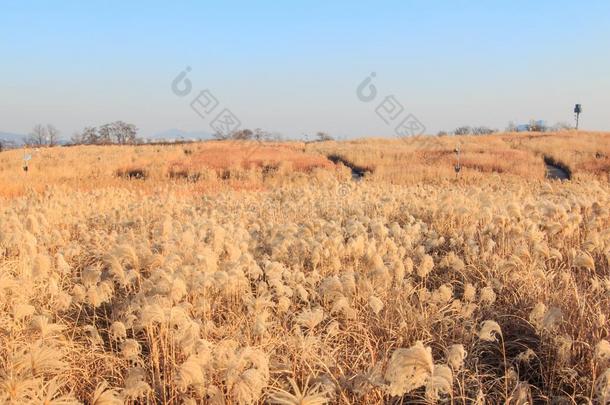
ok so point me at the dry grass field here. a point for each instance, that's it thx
(243, 273)
(206, 167)
(430, 159)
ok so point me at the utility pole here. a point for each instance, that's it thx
(577, 111)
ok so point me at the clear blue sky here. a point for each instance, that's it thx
(293, 67)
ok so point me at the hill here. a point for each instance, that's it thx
(11, 139)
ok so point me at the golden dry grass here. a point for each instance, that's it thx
(211, 166)
(587, 154)
(300, 286)
(429, 158)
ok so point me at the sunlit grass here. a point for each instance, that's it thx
(299, 285)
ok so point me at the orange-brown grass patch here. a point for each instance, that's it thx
(250, 154)
(599, 165)
(246, 165)
(212, 165)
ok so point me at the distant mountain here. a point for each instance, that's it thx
(179, 135)
(12, 139)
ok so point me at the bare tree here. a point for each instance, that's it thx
(124, 133)
(483, 130)
(38, 136)
(537, 126)
(242, 135)
(90, 135)
(52, 135)
(324, 136)
(43, 135)
(464, 130)
(115, 132)
(105, 133)
(132, 133)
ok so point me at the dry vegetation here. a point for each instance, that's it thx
(430, 159)
(212, 166)
(587, 154)
(271, 277)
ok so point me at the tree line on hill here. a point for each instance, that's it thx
(46, 135)
(117, 132)
(246, 134)
(261, 135)
(532, 126)
(122, 133)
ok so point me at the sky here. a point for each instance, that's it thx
(295, 67)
